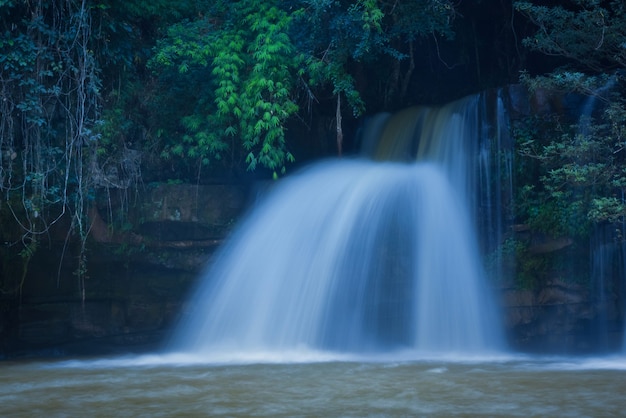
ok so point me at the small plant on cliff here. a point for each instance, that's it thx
(573, 176)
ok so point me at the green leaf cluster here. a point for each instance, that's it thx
(591, 34)
(341, 39)
(252, 65)
(261, 62)
(572, 177)
(49, 114)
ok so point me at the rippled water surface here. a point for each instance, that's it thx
(153, 386)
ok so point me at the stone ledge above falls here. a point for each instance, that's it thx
(214, 208)
(168, 218)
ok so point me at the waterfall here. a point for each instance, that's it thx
(360, 256)
(607, 252)
(608, 276)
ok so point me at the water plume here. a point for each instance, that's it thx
(358, 256)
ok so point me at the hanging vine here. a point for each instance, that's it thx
(48, 114)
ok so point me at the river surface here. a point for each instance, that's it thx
(169, 386)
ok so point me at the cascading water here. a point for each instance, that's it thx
(357, 256)
(608, 251)
(607, 263)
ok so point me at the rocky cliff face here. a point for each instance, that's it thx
(137, 278)
(562, 318)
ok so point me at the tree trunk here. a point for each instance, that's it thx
(339, 128)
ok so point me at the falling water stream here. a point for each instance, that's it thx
(358, 256)
(354, 289)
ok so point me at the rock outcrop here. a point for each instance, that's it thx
(136, 281)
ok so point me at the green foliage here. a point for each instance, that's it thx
(48, 114)
(576, 172)
(513, 260)
(607, 209)
(567, 82)
(589, 33)
(252, 68)
(573, 177)
(338, 37)
(263, 59)
(138, 111)
(530, 269)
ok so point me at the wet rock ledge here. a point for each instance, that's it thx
(144, 254)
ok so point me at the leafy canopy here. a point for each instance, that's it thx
(574, 176)
(591, 34)
(252, 65)
(263, 60)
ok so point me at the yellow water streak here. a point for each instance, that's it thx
(417, 133)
